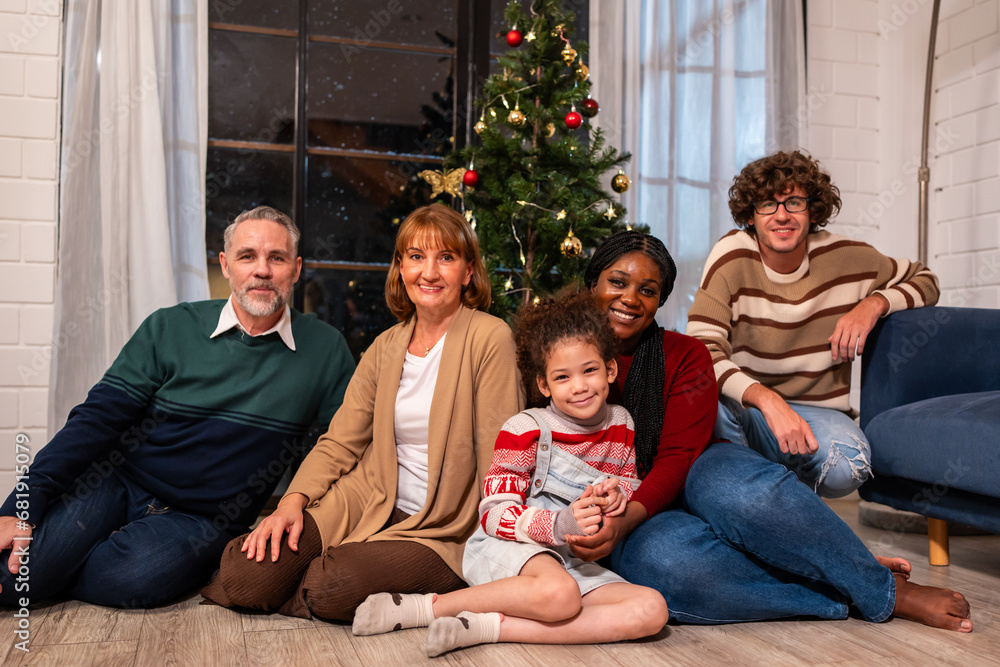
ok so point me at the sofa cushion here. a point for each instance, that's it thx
(949, 441)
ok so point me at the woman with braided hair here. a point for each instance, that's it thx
(724, 534)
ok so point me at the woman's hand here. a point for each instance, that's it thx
(287, 517)
(600, 544)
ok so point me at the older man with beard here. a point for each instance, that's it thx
(177, 448)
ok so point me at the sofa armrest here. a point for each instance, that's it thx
(917, 354)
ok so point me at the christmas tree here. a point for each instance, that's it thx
(535, 184)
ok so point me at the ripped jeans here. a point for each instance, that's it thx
(840, 465)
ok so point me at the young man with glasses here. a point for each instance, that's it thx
(784, 307)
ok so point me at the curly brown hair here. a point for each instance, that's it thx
(539, 328)
(777, 174)
(437, 226)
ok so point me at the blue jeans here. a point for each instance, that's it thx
(753, 544)
(840, 465)
(112, 543)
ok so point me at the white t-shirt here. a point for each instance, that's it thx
(411, 419)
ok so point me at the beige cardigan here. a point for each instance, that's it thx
(350, 476)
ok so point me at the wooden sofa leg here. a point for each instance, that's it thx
(937, 533)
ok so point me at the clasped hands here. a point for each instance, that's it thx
(605, 498)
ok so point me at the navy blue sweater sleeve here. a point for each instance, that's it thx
(105, 427)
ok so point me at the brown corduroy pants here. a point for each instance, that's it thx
(327, 585)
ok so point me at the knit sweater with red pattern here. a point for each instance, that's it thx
(607, 446)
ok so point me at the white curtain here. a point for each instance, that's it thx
(720, 83)
(131, 209)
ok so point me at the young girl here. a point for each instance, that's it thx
(556, 472)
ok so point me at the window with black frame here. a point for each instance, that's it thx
(328, 110)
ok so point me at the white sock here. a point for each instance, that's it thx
(386, 612)
(466, 629)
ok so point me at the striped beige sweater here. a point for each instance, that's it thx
(762, 326)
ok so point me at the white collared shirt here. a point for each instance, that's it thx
(228, 320)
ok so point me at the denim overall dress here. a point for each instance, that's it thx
(558, 480)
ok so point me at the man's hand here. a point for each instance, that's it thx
(790, 430)
(852, 329)
(12, 530)
(287, 517)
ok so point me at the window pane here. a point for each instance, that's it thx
(282, 14)
(413, 22)
(239, 180)
(378, 102)
(251, 87)
(352, 301)
(353, 206)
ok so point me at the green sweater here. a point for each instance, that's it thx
(207, 425)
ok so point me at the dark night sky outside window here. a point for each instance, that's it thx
(327, 110)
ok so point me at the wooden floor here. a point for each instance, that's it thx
(187, 633)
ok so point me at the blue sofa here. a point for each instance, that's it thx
(930, 406)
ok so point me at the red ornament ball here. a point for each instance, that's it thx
(590, 107)
(573, 120)
(514, 39)
(471, 178)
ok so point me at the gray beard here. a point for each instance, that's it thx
(258, 307)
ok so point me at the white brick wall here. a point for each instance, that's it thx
(965, 241)
(870, 56)
(843, 133)
(30, 89)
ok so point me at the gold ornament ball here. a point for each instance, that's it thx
(568, 55)
(479, 127)
(582, 73)
(516, 118)
(550, 129)
(571, 246)
(620, 182)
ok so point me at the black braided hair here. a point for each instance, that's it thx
(643, 394)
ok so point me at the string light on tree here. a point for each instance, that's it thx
(537, 180)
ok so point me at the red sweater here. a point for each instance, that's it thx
(691, 401)
(606, 446)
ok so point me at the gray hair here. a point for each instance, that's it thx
(263, 213)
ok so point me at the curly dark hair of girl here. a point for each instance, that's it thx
(643, 393)
(778, 174)
(538, 329)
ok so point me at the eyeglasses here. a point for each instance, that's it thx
(792, 205)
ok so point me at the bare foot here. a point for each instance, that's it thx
(936, 607)
(897, 565)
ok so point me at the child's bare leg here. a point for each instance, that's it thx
(610, 613)
(936, 607)
(542, 590)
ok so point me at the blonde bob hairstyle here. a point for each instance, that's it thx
(437, 226)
